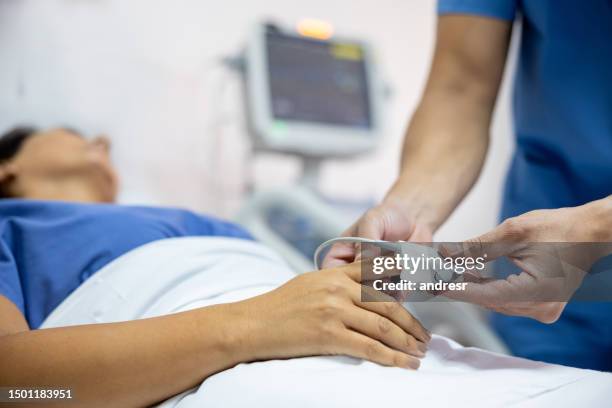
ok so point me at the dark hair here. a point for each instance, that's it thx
(11, 141)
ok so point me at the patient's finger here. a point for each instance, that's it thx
(384, 305)
(384, 330)
(362, 271)
(341, 253)
(352, 270)
(361, 346)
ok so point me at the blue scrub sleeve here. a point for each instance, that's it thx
(500, 9)
(10, 284)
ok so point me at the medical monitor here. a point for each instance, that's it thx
(311, 97)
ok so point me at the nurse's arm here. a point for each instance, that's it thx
(448, 136)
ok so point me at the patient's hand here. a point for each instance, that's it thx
(321, 313)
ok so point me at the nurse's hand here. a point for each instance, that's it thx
(321, 313)
(387, 221)
(554, 250)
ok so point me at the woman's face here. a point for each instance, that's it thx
(63, 155)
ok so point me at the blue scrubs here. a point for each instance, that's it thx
(49, 248)
(563, 157)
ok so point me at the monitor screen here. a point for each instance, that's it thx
(317, 81)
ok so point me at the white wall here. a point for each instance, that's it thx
(145, 72)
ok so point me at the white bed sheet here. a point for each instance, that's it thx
(184, 273)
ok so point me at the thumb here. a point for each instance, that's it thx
(489, 294)
(371, 225)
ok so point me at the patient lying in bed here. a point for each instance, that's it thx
(129, 306)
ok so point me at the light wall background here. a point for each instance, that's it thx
(147, 73)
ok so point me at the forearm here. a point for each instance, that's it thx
(133, 363)
(447, 140)
(597, 221)
(444, 150)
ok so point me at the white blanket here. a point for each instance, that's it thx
(184, 273)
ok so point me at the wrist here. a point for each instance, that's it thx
(597, 224)
(414, 200)
(227, 327)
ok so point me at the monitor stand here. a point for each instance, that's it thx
(311, 171)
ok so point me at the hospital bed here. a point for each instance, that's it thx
(180, 274)
(315, 98)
